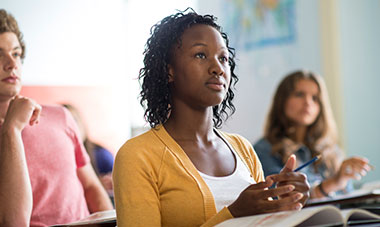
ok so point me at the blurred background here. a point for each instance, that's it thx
(88, 53)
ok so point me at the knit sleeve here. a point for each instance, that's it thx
(136, 191)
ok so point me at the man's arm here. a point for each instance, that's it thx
(96, 196)
(15, 188)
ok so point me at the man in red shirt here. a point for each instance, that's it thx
(45, 174)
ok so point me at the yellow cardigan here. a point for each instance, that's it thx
(156, 184)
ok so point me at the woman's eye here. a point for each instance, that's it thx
(223, 59)
(298, 94)
(200, 55)
(315, 98)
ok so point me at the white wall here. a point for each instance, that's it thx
(360, 62)
(86, 42)
(72, 42)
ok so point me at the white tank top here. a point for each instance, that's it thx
(228, 188)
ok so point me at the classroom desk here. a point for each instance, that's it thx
(355, 199)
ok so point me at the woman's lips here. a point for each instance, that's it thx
(215, 84)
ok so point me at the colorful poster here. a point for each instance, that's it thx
(258, 23)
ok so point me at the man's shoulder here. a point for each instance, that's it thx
(51, 116)
(53, 109)
(55, 113)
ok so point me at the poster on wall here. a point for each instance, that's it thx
(259, 23)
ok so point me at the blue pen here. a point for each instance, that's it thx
(308, 163)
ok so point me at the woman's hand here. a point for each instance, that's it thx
(256, 199)
(288, 177)
(351, 168)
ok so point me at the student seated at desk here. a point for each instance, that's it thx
(300, 122)
(45, 174)
(101, 159)
(184, 171)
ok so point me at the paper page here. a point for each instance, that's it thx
(358, 214)
(330, 214)
(371, 185)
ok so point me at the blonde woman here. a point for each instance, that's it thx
(300, 122)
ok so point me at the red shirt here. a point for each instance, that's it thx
(54, 152)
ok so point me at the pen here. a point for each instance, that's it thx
(308, 163)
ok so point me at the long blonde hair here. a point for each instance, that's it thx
(321, 135)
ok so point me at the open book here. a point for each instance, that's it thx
(311, 216)
(98, 219)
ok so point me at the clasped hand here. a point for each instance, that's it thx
(22, 111)
(292, 191)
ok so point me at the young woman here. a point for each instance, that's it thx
(300, 122)
(185, 172)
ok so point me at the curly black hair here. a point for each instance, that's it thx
(155, 95)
